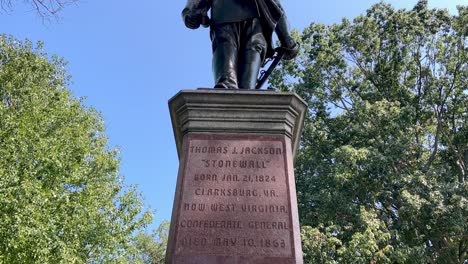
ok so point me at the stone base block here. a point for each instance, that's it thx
(235, 200)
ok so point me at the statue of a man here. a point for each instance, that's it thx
(241, 34)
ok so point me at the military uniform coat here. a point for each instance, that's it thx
(228, 11)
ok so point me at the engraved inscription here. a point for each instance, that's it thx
(235, 199)
(222, 207)
(232, 207)
(200, 242)
(205, 177)
(188, 223)
(203, 149)
(260, 208)
(229, 192)
(258, 151)
(243, 164)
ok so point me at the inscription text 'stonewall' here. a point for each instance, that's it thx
(235, 199)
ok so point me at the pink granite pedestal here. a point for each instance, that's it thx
(235, 199)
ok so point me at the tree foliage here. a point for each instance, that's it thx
(152, 247)
(382, 171)
(62, 199)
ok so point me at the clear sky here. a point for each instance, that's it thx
(130, 57)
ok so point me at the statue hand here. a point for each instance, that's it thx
(191, 20)
(290, 48)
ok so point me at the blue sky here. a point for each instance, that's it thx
(130, 57)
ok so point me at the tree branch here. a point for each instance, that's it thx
(44, 8)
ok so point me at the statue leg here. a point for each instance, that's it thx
(249, 66)
(225, 56)
(251, 55)
(224, 66)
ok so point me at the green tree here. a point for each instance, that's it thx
(382, 170)
(62, 199)
(152, 247)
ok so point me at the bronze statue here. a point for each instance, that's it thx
(241, 34)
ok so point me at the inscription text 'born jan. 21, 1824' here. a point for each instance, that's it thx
(234, 198)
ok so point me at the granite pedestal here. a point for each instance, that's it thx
(235, 199)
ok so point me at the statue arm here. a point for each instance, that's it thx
(195, 13)
(289, 44)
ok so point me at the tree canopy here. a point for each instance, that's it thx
(382, 170)
(152, 247)
(62, 199)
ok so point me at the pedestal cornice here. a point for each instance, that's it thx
(237, 111)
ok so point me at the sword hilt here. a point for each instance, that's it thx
(264, 74)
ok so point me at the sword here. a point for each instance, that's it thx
(264, 74)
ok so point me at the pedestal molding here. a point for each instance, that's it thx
(237, 111)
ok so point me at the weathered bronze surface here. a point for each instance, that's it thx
(241, 34)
